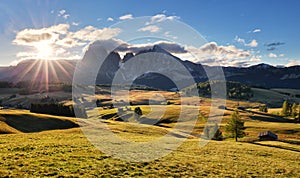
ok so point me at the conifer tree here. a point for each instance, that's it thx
(235, 126)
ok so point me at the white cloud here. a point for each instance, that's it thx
(239, 40)
(293, 63)
(257, 30)
(126, 17)
(99, 19)
(61, 12)
(29, 37)
(110, 19)
(213, 54)
(272, 55)
(75, 23)
(255, 59)
(160, 18)
(60, 41)
(91, 33)
(253, 43)
(66, 16)
(150, 28)
(208, 54)
(168, 46)
(281, 55)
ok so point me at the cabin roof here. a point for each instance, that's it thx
(267, 133)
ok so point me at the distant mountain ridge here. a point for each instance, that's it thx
(261, 75)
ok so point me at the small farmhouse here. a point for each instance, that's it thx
(267, 136)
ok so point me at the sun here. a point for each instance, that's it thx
(44, 50)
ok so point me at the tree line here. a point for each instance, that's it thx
(235, 90)
(58, 109)
(234, 128)
(291, 110)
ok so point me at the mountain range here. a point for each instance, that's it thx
(261, 75)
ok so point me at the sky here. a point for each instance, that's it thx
(237, 32)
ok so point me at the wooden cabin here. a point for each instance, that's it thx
(267, 136)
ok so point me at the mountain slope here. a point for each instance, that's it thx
(261, 75)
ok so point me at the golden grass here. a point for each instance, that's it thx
(68, 153)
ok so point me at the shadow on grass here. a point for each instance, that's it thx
(266, 117)
(28, 123)
(255, 142)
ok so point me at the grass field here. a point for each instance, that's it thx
(39, 145)
(69, 154)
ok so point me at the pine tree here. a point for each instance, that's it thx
(217, 134)
(285, 109)
(294, 110)
(235, 126)
(213, 132)
(298, 118)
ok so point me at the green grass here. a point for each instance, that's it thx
(36, 150)
(68, 153)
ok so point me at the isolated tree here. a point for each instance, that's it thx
(294, 110)
(298, 117)
(213, 132)
(235, 126)
(138, 113)
(285, 109)
(216, 132)
(263, 108)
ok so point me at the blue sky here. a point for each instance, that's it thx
(268, 30)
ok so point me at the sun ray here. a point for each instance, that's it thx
(63, 70)
(68, 64)
(28, 69)
(46, 75)
(36, 73)
(53, 71)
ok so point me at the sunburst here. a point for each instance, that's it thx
(44, 50)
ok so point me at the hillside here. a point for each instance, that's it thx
(22, 121)
(69, 154)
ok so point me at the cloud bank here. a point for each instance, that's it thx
(58, 38)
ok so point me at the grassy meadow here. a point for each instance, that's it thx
(41, 145)
(67, 153)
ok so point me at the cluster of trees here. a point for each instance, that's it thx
(235, 90)
(5, 84)
(58, 109)
(234, 128)
(291, 109)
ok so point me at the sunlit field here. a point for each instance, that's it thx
(45, 145)
(68, 153)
